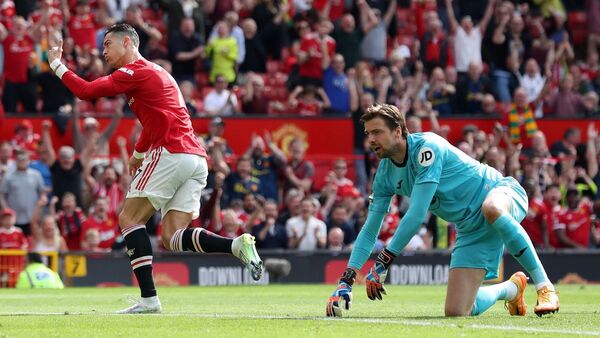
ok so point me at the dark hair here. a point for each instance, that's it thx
(570, 132)
(124, 29)
(34, 257)
(390, 114)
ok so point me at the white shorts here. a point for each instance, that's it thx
(170, 181)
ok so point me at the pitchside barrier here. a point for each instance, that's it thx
(12, 262)
(431, 268)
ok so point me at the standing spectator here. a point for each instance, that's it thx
(18, 47)
(266, 165)
(269, 16)
(91, 137)
(339, 87)
(533, 83)
(472, 89)
(573, 224)
(178, 10)
(255, 102)
(374, 24)
(104, 221)
(231, 19)
(339, 218)
(567, 147)
(467, 39)
(552, 201)
(11, 237)
(306, 232)
(216, 129)
(298, 171)
(46, 235)
(220, 101)
(269, 233)
(187, 90)
(311, 56)
(82, 26)
(434, 46)
(535, 222)
(7, 164)
(291, 206)
(20, 191)
(565, 102)
(347, 40)
(520, 120)
(255, 59)
(133, 17)
(70, 220)
(25, 138)
(241, 182)
(441, 93)
(223, 53)
(185, 47)
(110, 185)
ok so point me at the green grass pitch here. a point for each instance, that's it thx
(282, 311)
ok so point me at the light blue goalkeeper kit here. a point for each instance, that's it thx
(442, 179)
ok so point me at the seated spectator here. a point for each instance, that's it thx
(306, 232)
(105, 222)
(535, 222)
(220, 101)
(256, 55)
(308, 101)
(91, 241)
(489, 106)
(565, 102)
(146, 32)
(472, 89)
(520, 120)
(230, 226)
(269, 233)
(291, 206)
(46, 235)
(335, 240)
(420, 241)
(339, 218)
(441, 94)
(214, 138)
(223, 53)
(573, 225)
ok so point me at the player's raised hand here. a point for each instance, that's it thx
(343, 293)
(377, 275)
(55, 50)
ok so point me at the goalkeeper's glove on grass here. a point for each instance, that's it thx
(343, 293)
(377, 275)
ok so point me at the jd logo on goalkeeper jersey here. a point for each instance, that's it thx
(426, 156)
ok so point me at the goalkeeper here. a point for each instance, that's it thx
(485, 206)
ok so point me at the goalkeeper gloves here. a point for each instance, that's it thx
(342, 293)
(377, 275)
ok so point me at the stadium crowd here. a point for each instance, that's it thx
(515, 62)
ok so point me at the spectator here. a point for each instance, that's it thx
(339, 87)
(472, 89)
(82, 25)
(46, 235)
(222, 51)
(565, 102)
(269, 233)
(335, 240)
(91, 241)
(573, 224)
(347, 40)
(20, 191)
(7, 164)
(308, 100)
(311, 58)
(220, 101)
(552, 202)
(255, 59)
(231, 19)
(269, 16)
(489, 106)
(441, 94)
(467, 39)
(18, 45)
(434, 46)
(178, 10)
(228, 224)
(185, 47)
(104, 221)
(291, 207)
(306, 232)
(535, 222)
(91, 137)
(69, 219)
(298, 171)
(11, 237)
(109, 185)
(25, 138)
(520, 120)
(374, 24)
(216, 129)
(187, 89)
(255, 102)
(533, 83)
(567, 147)
(266, 165)
(133, 17)
(241, 182)
(339, 218)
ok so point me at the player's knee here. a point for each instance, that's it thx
(491, 210)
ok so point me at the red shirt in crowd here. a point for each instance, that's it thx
(70, 228)
(311, 45)
(114, 193)
(552, 213)
(577, 223)
(108, 229)
(7, 13)
(154, 98)
(532, 223)
(83, 30)
(17, 53)
(13, 238)
(335, 11)
(308, 108)
(56, 15)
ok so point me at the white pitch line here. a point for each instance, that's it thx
(353, 320)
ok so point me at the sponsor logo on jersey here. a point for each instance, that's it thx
(426, 157)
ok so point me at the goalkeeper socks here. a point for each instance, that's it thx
(488, 295)
(139, 251)
(199, 240)
(519, 245)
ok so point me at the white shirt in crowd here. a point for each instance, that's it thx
(467, 48)
(533, 85)
(309, 242)
(213, 101)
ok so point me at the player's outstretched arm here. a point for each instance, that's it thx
(83, 89)
(420, 199)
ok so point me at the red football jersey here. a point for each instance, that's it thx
(532, 223)
(13, 238)
(108, 229)
(17, 54)
(83, 30)
(577, 223)
(311, 45)
(154, 98)
(70, 228)
(551, 215)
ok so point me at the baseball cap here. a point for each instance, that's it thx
(217, 121)
(7, 212)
